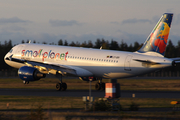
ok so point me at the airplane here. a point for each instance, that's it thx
(35, 61)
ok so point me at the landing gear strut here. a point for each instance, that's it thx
(60, 85)
(100, 85)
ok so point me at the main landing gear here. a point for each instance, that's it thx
(100, 85)
(60, 85)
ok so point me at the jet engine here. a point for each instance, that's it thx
(30, 74)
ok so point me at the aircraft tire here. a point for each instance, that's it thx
(97, 86)
(58, 86)
(26, 82)
(64, 86)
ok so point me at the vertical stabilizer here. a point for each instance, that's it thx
(157, 40)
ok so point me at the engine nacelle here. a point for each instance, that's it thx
(30, 74)
(88, 78)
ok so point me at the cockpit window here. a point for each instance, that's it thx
(11, 51)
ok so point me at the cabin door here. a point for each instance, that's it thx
(127, 62)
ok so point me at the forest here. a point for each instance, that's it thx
(172, 51)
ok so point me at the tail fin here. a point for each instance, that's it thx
(157, 40)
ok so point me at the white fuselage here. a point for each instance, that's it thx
(95, 62)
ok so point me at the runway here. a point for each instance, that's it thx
(80, 93)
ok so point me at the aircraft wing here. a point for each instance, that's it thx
(46, 68)
(53, 68)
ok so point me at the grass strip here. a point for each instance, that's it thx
(29, 102)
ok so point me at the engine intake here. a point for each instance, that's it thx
(30, 74)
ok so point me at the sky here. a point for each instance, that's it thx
(83, 20)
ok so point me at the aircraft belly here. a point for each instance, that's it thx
(107, 72)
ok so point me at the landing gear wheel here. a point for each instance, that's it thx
(58, 86)
(26, 82)
(97, 86)
(102, 86)
(64, 86)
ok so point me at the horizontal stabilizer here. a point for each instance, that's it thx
(146, 61)
(175, 61)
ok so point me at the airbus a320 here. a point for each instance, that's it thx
(34, 61)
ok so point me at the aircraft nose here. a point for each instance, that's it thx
(7, 57)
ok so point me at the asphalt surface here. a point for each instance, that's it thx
(80, 93)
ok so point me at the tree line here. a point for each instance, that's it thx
(172, 51)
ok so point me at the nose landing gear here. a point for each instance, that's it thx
(26, 82)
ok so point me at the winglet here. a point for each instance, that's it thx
(157, 40)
